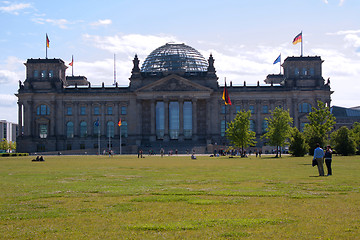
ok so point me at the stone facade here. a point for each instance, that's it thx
(180, 109)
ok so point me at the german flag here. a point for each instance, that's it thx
(298, 38)
(72, 61)
(119, 123)
(47, 41)
(225, 96)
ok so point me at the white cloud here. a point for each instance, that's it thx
(14, 8)
(10, 73)
(61, 23)
(102, 22)
(341, 2)
(130, 44)
(325, 1)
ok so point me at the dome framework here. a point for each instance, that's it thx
(174, 58)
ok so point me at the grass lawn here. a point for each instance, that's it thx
(123, 197)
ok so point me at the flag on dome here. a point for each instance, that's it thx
(119, 123)
(298, 38)
(225, 96)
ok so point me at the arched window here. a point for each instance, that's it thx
(124, 129)
(43, 110)
(304, 107)
(70, 130)
(110, 129)
(83, 129)
(96, 127)
(264, 126)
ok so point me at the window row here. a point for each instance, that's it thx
(44, 73)
(304, 71)
(96, 110)
(303, 108)
(84, 130)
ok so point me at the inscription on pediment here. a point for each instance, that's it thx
(173, 85)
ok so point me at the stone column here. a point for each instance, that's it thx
(52, 127)
(194, 117)
(166, 112)
(20, 118)
(152, 120)
(75, 113)
(181, 119)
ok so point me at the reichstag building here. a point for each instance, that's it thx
(173, 101)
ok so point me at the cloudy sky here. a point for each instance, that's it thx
(244, 36)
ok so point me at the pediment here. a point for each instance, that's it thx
(173, 83)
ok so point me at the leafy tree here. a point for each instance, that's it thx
(321, 123)
(298, 146)
(238, 131)
(12, 145)
(4, 145)
(279, 128)
(356, 132)
(343, 141)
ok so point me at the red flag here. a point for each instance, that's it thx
(119, 123)
(225, 96)
(47, 41)
(72, 61)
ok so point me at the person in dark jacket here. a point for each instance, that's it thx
(328, 159)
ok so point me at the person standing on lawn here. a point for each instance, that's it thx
(328, 159)
(319, 156)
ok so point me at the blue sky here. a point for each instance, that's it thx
(244, 36)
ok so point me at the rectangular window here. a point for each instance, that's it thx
(43, 129)
(109, 110)
(265, 109)
(96, 111)
(36, 73)
(238, 109)
(123, 110)
(43, 74)
(223, 109)
(82, 145)
(82, 110)
(69, 111)
(68, 147)
(252, 109)
(51, 73)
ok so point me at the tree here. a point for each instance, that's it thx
(343, 141)
(356, 132)
(279, 128)
(238, 131)
(321, 123)
(298, 146)
(4, 145)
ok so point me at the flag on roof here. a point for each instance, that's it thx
(298, 38)
(278, 59)
(225, 96)
(119, 123)
(72, 60)
(47, 41)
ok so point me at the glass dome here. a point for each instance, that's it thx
(175, 58)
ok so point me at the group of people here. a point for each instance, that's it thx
(320, 156)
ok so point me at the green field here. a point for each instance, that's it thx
(123, 197)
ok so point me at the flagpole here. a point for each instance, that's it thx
(99, 139)
(225, 107)
(72, 65)
(46, 45)
(280, 63)
(302, 40)
(120, 141)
